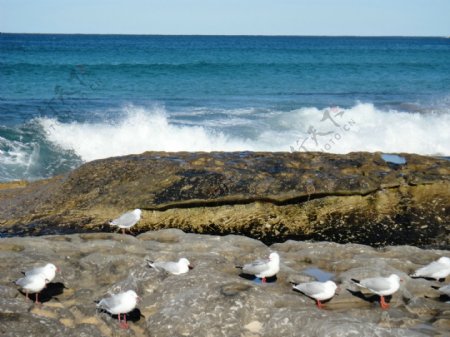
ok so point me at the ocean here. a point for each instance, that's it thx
(70, 99)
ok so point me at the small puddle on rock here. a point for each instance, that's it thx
(393, 158)
(319, 274)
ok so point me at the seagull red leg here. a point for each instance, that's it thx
(124, 324)
(263, 280)
(319, 305)
(383, 303)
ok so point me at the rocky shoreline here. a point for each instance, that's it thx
(284, 202)
(212, 299)
(358, 197)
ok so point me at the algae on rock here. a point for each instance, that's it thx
(357, 197)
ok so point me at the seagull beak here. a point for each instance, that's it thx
(191, 266)
(139, 299)
(58, 269)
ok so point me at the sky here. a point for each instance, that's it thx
(228, 17)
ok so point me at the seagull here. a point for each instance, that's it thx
(182, 266)
(263, 268)
(320, 291)
(32, 284)
(382, 286)
(437, 270)
(127, 220)
(48, 271)
(444, 289)
(121, 303)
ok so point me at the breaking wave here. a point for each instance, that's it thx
(47, 146)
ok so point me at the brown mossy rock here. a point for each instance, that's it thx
(357, 197)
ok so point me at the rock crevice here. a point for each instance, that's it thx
(358, 197)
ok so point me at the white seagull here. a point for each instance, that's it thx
(182, 266)
(48, 271)
(127, 220)
(382, 286)
(121, 303)
(444, 289)
(32, 284)
(320, 291)
(437, 269)
(263, 268)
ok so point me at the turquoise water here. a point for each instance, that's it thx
(67, 99)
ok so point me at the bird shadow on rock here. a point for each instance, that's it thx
(440, 298)
(106, 228)
(50, 291)
(132, 316)
(444, 298)
(369, 298)
(257, 280)
(428, 278)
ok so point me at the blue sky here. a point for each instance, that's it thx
(252, 17)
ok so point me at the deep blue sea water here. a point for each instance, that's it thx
(68, 99)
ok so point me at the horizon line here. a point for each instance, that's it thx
(230, 35)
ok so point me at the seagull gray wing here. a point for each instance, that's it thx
(126, 220)
(22, 282)
(429, 270)
(34, 271)
(170, 267)
(110, 303)
(256, 267)
(376, 283)
(310, 288)
(445, 289)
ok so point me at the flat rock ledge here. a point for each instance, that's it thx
(212, 299)
(358, 197)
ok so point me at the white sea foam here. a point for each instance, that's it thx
(16, 153)
(366, 128)
(360, 128)
(140, 130)
(16, 158)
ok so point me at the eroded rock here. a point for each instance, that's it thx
(358, 197)
(212, 299)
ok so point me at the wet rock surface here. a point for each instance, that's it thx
(212, 299)
(358, 197)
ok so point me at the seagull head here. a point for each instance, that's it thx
(331, 284)
(52, 267)
(274, 257)
(444, 260)
(395, 278)
(185, 262)
(133, 295)
(137, 212)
